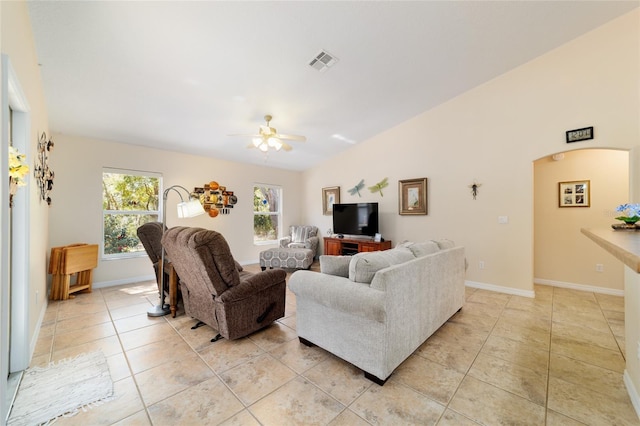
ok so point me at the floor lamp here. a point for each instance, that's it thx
(191, 208)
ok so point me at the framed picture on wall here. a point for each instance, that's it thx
(574, 193)
(412, 198)
(330, 196)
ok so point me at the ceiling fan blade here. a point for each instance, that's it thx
(297, 138)
(286, 146)
(246, 135)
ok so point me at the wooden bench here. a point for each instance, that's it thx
(65, 261)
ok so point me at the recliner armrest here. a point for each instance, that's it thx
(253, 284)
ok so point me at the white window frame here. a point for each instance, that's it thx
(158, 213)
(278, 213)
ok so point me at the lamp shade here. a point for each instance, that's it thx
(191, 208)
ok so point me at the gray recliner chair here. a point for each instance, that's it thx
(215, 289)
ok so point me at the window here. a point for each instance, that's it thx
(267, 202)
(129, 199)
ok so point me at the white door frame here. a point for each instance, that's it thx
(14, 259)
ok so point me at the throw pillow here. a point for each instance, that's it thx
(363, 266)
(299, 234)
(335, 265)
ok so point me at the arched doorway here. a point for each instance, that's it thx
(562, 255)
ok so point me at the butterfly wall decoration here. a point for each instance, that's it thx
(379, 186)
(356, 189)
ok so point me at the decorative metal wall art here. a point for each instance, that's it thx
(356, 189)
(379, 186)
(43, 174)
(474, 188)
(215, 198)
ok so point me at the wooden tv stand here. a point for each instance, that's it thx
(346, 246)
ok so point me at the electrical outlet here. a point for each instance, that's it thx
(599, 267)
(481, 264)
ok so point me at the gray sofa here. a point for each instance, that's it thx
(375, 309)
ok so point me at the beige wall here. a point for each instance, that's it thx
(18, 45)
(493, 134)
(76, 211)
(562, 255)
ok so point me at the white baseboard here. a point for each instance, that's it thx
(581, 287)
(632, 391)
(113, 283)
(500, 289)
(36, 334)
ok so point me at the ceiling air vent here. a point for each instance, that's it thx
(323, 61)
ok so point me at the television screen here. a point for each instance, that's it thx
(355, 219)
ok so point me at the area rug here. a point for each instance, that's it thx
(60, 389)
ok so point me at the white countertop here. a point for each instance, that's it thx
(623, 244)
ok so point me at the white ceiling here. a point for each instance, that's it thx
(183, 75)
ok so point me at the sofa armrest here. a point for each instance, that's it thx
(249, 286)
(339, 293)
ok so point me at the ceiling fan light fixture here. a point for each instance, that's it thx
(269, 138)
(275, 143)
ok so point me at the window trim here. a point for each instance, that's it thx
(158, 213)
(279, 213)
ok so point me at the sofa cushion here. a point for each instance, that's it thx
(335, 265)
(424, 249)
(363, 266)
(444, 244)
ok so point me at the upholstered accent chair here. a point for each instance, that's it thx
(295, 251)
(215, 288)
(302, 236)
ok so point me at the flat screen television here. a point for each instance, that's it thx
(355, 219)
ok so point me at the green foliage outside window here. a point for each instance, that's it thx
(266, 208)
(128, 201)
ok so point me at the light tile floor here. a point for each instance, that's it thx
(557, 359)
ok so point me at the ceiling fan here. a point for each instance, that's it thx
(268, 137)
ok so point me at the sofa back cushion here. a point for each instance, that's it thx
(445, 244)
(363, 266)
(335, 265)
(424, 249)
